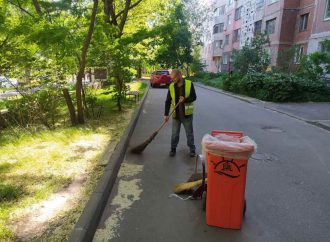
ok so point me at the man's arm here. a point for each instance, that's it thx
(168, 103)
(192, 96)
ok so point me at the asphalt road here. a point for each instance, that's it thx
(288, 183)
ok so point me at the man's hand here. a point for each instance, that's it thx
(166, 118)
(181, 99)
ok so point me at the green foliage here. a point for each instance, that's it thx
(174, 45)
(208, 75)
(8, 192)
(316, 65)
(197, 66)
(252, 57)
(210, 78)
(277, 87)
(285, 59)
(282, 86)
(43, 107)
(197, 14)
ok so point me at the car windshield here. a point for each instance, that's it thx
(159, 73)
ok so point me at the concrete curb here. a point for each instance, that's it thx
(242, 98)
(87, 224)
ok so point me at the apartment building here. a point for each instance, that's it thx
(225, 35)
(305, 23)
(213, 40)
(320, 26)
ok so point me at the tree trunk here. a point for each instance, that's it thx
(37, 6)
(69, 103)
(124, 18)
(139, 72)
(82, 64)
(187, 71)
(119, 94)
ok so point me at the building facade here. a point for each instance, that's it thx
(320, 26)
(305, 23)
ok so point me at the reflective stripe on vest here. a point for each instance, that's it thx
(188, 107)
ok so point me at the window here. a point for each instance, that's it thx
(303, 22)
(227, 39)
(218, 44)
(216, 12)
(260, 3)
(270, 26)
(327, 10)
(161, 73)
(299, 54)
(225, 59)
(222, 25)
(271, 1)
(237, 35)
(229, 19)
(238, 12)
(218, 28)
(222, 10)
(230, 2)
(257, 27)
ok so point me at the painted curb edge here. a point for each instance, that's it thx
(86, 226)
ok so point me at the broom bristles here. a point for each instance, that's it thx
(196, 177)
(140, 148)
(187, 186)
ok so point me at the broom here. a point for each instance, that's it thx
(187, 186)
(198, 175)
(195, 180)
(140, 148)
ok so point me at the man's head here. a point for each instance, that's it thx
(176, 75)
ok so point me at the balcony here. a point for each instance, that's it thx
(217, 52)
(219, 19)
(218, 36)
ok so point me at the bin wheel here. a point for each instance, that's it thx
(244, 209)
(204, 201)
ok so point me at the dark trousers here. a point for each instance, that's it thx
(188, 126)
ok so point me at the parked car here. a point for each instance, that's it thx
(160, 78)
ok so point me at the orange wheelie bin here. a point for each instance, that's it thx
(226, 153)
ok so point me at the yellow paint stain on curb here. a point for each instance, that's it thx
(129, 191)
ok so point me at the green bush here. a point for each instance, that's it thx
(232, 82)
(277, 87)
(43, 107)
(207, 75)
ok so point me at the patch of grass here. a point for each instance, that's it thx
(9, 192)
(36, 163)
(213, 82)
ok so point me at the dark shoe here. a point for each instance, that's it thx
(192, 153)
(172, 152)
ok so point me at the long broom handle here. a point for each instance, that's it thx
(170, 115)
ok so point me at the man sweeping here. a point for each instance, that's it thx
(183, 92)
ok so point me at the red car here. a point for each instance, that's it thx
(160, 78)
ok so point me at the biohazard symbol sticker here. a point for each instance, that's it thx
(227, 168)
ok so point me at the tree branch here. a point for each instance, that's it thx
(4, 41)
(18, 5)
(109, 11)
(112, 12)
(124, 18)
(130, 7)
(37, 6)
